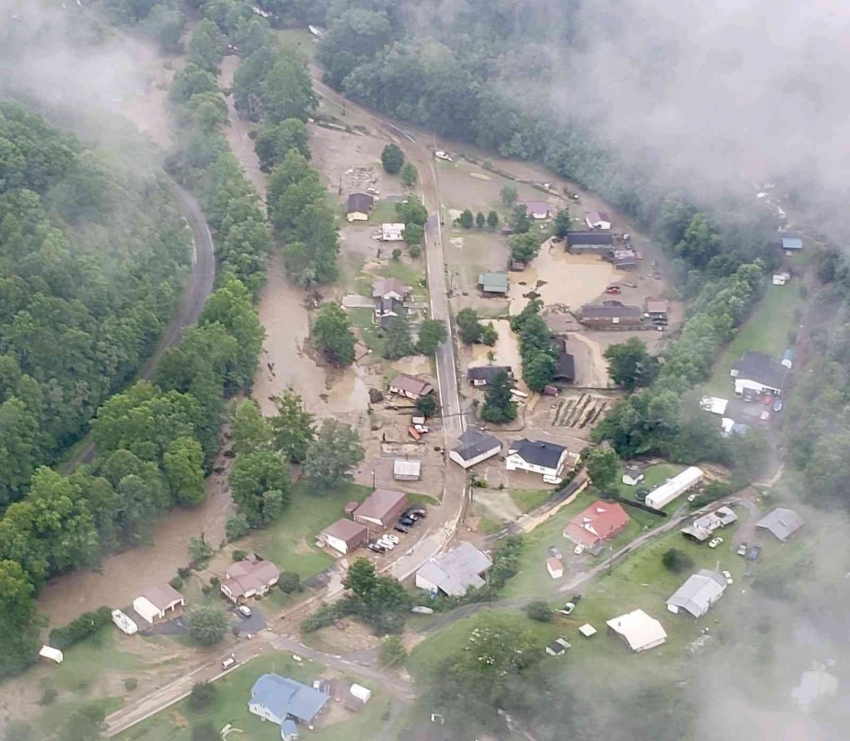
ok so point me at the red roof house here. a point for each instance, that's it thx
(601, 521)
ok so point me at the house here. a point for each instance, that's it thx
(565, 366)
(473, 447)
(632, 476)
(344, 535)
(407, 469)
(792, 244)
(814, 685)
(713, 404)
(554, 567)
(382, 508)
(454, 572)
(249, 578)
(558, 647)
(698, 593)
(278, 699)
(703, 527)
(610, 313)
(597, 242)
(601, 521)
(392, 232)
(486, 374)
(598, 220)
(537, 456)
(673, 488)
(410, 387)
(656, 308)
(391, 288)
(157, 602)
(537, 209)
(782, 523)
(758, 372)
(359, 206)
(640, 631)
(389, 308)
(494, 283)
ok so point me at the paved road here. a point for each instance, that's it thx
(191, 304)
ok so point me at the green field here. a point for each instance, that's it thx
(765, 331)
(290, 542)
(297, 38)
(384, 212)
(529, 499)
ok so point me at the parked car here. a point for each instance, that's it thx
(750, 395)
(693, 496)
(742, 549)
(555, 553)
(392, 538)
(729, 580)
(568, 608)
(401, 528)
(579, 549)
(754, 553)
(387, 545)
(768, 400)
(376, 548)
(419, 512)
(714, 542)
(245, 610)
(765, 415)
(227, 663)
(777, 405)
(407, 522)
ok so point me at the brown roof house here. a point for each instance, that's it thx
(344, 535)
(382, 508)
(410, 387)
(157, 602)
(610, 314)
(247, 579)
(390, 288)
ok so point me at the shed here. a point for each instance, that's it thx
(587, 630)
(407, 469)
(392, 232)
(640, 631)
(713, 404)
(344, 535)
(632, 476)
(157, 602)
(782, 523)
(792, 244)
(361, 693)
(554, 567)
(359, 206)
(54, 654)
(350, 507)
(558, 647)
(494, 282)
(565, 367)
(382, 507)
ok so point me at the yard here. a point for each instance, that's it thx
(290, 542)
(530, 499)
(765, 331)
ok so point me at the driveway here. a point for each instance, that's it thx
(253, 624)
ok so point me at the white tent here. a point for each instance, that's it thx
(639, 630)
(54, 654)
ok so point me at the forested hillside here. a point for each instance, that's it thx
(93, 256)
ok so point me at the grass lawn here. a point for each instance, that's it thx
(384, 212)
(408, 274)
(174, 723)
(765, 331)
(56, 715)
(529, 499)
(85, 661)
(297, 38)
(364, 320)
(290, 542)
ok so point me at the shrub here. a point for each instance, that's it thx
(48, 696)
(677, 561)
(202, 696)
(414, 250)
(199, 551)
(392, 651)
(131, 683)
(176, 582)
(236, 527)
(239, 555)
(427, 405)
(289, 582)
(184, 572)
(538, 610)
(85, 625)
(215, 582)
(396, 254)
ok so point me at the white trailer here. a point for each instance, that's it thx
(675, 487)
(361, 693)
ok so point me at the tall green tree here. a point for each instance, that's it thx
(603, 467)
(275, 140)
(332, 334)
(292, 426)
(562, 223)
(17, 619)
(207, 625)
(332, 456)
(254, 475)
(469, 326)
(508, 196)
(399, 342)
(392, 158)
(206, 47)
(409, 174)
(499, 406)
(182, 465)
(524, 247)
(630, 365)
(251, 430)
(431, 333)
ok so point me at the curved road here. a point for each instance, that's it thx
(191, 304)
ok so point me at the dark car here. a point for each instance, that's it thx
(406, 521)
(376, 548)
(402, 528)
(754, 553)
(418, 511)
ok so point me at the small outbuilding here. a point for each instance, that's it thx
(558, 647)
(781, 523)
(555, 567)
(494, 283)
(407, 469)
(792, 244)
(632, 476)
(344, 535)
(392, 232)
(159, 603)
(640, 631)
(53, 654)
(359, 206)
(587, 630)
(364, 694)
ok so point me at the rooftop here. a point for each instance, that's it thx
(497, 282)
(699, 592)
(792, 243)
(487, 372)
(381, 288)
(360, 203)
(244, 576)
(411, 384)
(345, 529)
(640, 630)
(473, 443)
(756, 366)
(284, 696)
(538, 452)
(458, 570)
(599, 521)
(594, 311)
(407, 467)
(603, 239)
(783, 523)
(162, 597)
(565, 367)
(379, 503)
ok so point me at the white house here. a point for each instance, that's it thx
(392, 232)
(675, 487)
(474, 447)
(640, 631)
(537, 456)
(157, 602)
(760, 373)
(454, 572)
(598, 220)
(698, 593)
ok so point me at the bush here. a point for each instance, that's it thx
(205, 731)
(289, 582)
(538, 610)
(199, 551)
(215, 582)
(392, 651)
(202, 696)
(184, 572)
(207, 626)
(85, 625)
(396, 254)
(236, 527)
(414, 250)
(131, 683)
(328, 614)
(677, 561)
(48, 696)
(392, 158)
(176, 582)
(427, 405)
(239, 555)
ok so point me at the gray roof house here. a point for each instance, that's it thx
(473, 447)
(497, 282)
(698, 593)
(783, 523)
(485, 375)
(599, 242)
(454, 572)
(565, 366)
(761, 369)
(277, 699)
(792, 244)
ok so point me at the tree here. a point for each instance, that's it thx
(499, 406)
(520, 220)
(431, 333)
(630, 365)
(189, 81)
(509, 196)
(332, 456)
(202, 696)
(489, 335)
(332, 334)
(469, 326)
(251, 430)
(206, 47)
(275, 140)
(412, 212)
(199, 551)
(392, 158)
(603, 467)
(17, 619)
(253, 476)
(480, 220)
(287, 90)
(289, 582)
(414, 234)
(182, 465)
(392, 651)
(539, 611)
(205, 731)
(492, 219)
(524, 247)
(466, 219)
(399, 342)
(409, 174)
(538, 370)
(677, 561)
(84, 725)
(292, 426)
(207, 625)
(237, 527)
(562, 223)
(427, 405)
(361, 578)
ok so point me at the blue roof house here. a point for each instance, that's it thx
(792, 244)
(280, 699)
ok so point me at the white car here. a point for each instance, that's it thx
(715, 542)
(245, 610)
(729, 580)
(387, 544)
(441, 155)
(578, 550)
(568, 608)
(391, 537)
(691, 497)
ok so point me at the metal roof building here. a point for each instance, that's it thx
(783, 523)
(675, 487)
(275, 698)
(454, 572)
(698, 593)
(640, 631)
(494, 282)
